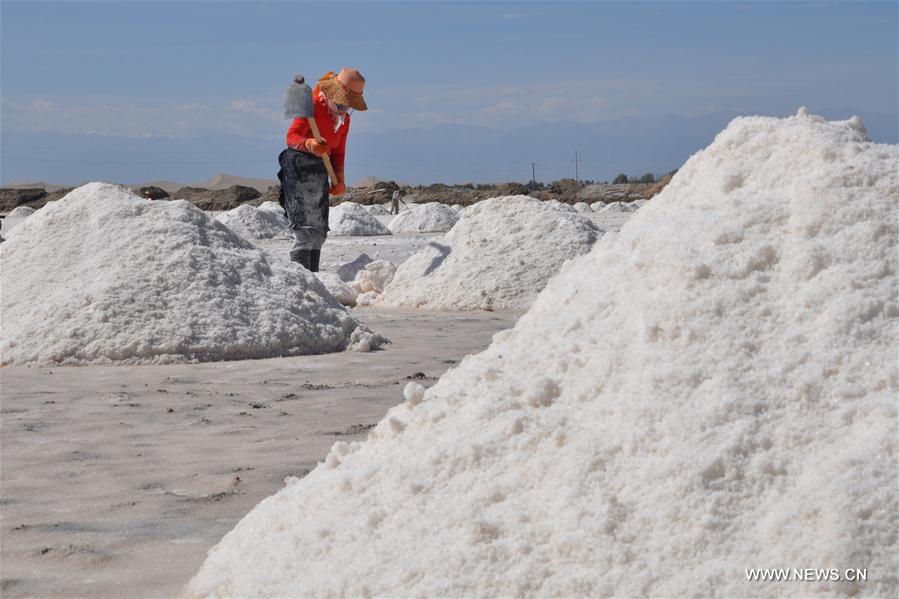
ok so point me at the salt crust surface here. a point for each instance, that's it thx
(256, 223)
(498, 257)
(424, 218)
(350, 219)
(710, 390)
(104, 276)
(582, 207)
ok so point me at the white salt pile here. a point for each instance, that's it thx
(497, 257)
(256, 223)
(613, 207)
(371, 281)
(712, 390)
(456, 207)
(350, 218)
(337, 287)
(21, 212)
(104, 276)
(560, 206)
(272, 207)
(582, 207)
(347, 272)
(15, 217)
(359, 281)
(424, 218)
(377, 210)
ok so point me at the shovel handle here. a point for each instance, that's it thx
(325, 157)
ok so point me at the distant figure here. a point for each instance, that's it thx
(395, 202)
(305, 194)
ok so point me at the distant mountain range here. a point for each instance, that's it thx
(50, 187)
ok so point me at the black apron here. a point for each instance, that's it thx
(304, 190)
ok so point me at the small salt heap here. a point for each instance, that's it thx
(104, 276)
(497, 257)
(349, 219)
(424, 218)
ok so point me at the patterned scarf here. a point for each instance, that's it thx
(339, 116)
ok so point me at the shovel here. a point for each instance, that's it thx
(298, 104)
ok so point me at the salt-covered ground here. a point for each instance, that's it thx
(117, 480)
(340, 250)
(397, 248)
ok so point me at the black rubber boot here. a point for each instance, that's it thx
(304, 257)
(315, 258)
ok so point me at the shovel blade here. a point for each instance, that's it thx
(298, 100)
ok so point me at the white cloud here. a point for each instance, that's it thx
(493, 105)
(504, 106)
(247, 105)
(130, 117)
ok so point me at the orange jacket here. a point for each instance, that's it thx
(299, 131)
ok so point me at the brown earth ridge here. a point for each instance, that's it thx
(566, 191)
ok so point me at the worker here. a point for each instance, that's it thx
(395, 202)
(305, 192)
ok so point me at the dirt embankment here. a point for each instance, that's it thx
(33, 197)
(206, 199)
(567, 191)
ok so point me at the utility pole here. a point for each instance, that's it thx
(577, 159)
(533, 176)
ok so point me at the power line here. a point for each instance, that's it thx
(577, 161)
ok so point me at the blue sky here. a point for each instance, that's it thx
(464, 91)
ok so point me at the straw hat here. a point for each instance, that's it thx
(344, 88)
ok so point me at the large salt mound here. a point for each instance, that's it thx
(424, 218)
(498, 257)
(350, 218)
(255, 223)
(105, 276)
(711, 390)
